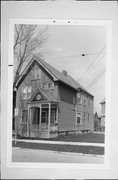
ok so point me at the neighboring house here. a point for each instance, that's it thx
(97, 122)
(49, 102)
(103, 114)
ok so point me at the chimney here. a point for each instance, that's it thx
(64, 72)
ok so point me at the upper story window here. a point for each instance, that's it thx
(89, 102)
(48, 85)
(36, 74)
(79, 98)
(26, 92)
(85, 102)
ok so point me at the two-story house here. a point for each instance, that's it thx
(49, 102)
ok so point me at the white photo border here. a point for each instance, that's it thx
(108, 25)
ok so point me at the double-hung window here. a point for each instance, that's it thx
(26, 92)
(78, 118)
(24, 116)
(36, 74)
(79, 98)
(85, 102)
(48, 85)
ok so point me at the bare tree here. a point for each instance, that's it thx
(28, 39)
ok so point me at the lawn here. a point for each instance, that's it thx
(61, 148)
(88, 137)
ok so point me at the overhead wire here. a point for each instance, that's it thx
(97, 78)
(93, 62)
(82, 54)
(85, 78)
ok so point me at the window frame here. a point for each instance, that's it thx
(22, 117)
(27, 97)
(79, 99)
(46, 85)
(80, 116)
(84, 118)
(53, 111)
(85, 102)
(35, 74)
(88, 117)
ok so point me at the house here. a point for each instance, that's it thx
(49, 102)
(97, 122)
(103, 104)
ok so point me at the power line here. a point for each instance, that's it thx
(83, 54)
(97, 78)
(93, 62)
(85, 79)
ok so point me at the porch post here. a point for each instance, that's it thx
(40, 116)
(49, 112)
(57, 115)
(28, 119)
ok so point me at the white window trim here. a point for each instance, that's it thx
(35, 73)
(27, 91)
(47, 84)
(55, 116)
(80, 118)
(81, 98)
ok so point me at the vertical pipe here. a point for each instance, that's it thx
(49, 112)
(57, 115)
(28, 123)
(40, 117)
(29, 120)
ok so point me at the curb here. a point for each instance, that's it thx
(61, 152)
(62, 142)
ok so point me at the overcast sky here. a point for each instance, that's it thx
(64, 49)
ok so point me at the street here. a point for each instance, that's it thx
(31, 155)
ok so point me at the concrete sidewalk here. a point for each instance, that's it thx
(61, 142)
(31, 155)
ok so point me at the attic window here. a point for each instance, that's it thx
(36, 74)
(48, 85)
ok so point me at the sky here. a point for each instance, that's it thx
(64, 48)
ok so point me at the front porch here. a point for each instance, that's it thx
(42, 120)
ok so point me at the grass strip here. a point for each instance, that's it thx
(61, 148)
(88, 137)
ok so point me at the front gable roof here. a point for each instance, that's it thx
(56, 75)
(38, 96)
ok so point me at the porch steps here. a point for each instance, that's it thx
(44, 134)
